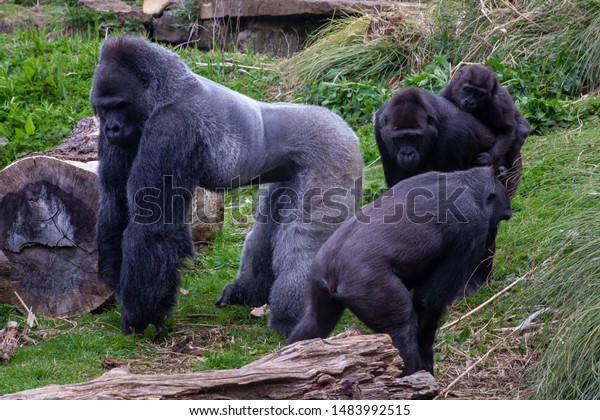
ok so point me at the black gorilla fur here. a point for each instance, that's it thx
(476, 90)
(417, 131)
(163, 132)
(399, 262)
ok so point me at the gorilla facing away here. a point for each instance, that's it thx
(476, 90)
(163, 132)
(399, 262)
(417, 131)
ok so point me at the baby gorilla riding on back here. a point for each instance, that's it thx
(400, 262)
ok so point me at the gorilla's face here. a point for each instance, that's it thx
(409, 133)
(475, 88)
(472, 97)
(118, 101)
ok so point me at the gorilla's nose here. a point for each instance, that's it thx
(468, 104)
(407, 154)
(113, 130)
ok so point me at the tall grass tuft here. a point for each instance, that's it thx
(374, 44)
(569, 285)
(556, 230)
(560, 37)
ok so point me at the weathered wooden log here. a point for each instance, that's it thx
(347, 366)
(47, 236)
(48, 211)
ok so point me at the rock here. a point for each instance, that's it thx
(155, 7)
(273, 27)
(272, 37)
(211, 9)
(207, 215)
(165, 29)
(123, 10)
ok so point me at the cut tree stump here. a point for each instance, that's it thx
(48, 211)
(347, 366)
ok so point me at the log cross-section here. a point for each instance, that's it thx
(347, 366)
(48, 210)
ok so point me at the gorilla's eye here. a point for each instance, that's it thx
(145, 80)
(120, 105)
(491, 197)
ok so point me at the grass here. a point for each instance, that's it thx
(559, 37)
(365, 46)
(566, 281)
(44, 89)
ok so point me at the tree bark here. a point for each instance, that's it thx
(347, 366)
(48, 211)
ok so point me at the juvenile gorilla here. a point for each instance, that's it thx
(399, 263)
(417, 131)
(476, 90)
(163, 132)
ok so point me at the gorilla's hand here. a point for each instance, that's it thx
(228, 296)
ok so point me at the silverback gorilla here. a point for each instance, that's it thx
(476, 90)
(163, 132)
(399, 262)
(417, 131)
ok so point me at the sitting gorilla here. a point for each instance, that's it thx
(398, 264)
(163, 132)
(476, 90)
(417, 131)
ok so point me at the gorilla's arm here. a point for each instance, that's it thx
(113, 216)
(157, 237)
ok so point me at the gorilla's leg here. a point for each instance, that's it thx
(385, 305)
(321, 316)
(297, 235)
(255, 276)
(113, 214)
(428, 319)
(433, 295)
(291, 262)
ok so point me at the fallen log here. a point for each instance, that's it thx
(347, 366)
(48, 211)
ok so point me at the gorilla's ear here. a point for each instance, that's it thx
(458, 74)
(495, 86)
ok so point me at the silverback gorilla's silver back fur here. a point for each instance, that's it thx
(204, 134)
